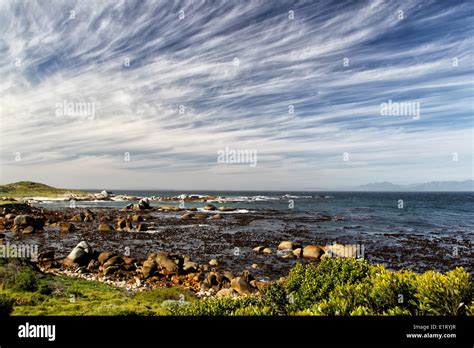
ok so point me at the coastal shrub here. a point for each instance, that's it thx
(215, 306)
(24, 280)
(6, 305)
(387, 290)
(470, 309)
(18, 274)
(403, 292)
(344, 300)
(253, 310)
(444, 294)
(309, 284)
(276, 299)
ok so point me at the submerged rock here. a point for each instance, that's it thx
(258, 249)
(210, 207)
(105, 228)
(66, 227)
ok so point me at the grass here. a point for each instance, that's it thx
(57, 295)
(29, 188)
(11, 203)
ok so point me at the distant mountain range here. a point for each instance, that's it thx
(467, 185)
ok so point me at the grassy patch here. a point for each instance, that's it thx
(53, 295)
(29, 188)
(11, 203)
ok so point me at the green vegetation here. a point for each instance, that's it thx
(28, 292)
(12, 203)
(334, 287)
(29, 188)
(350, 287)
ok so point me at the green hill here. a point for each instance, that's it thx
(29, 188)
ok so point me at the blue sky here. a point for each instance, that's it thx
(225, 75)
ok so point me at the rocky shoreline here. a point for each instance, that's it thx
(159, 269)
(209, 251)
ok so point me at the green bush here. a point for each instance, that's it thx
(6, 305)
(404, 292)
(216, 306)
(444, 294)
(276, 299)
(388, 290)
(18, 274)
(25, 280)
(310, 284)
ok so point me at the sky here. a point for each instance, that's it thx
(147, 94)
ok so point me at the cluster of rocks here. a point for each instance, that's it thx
(143, 204)
(85, 216)
(159, 269)
(26, 224)
(200, 216)
(289, 249)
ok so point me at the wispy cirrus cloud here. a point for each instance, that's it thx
(174, 82)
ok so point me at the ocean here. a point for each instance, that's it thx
(418, 230)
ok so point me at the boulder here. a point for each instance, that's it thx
(28, 230)
(225, 292)
(267, 251)
(190, 267)
(66, 227)
(106, 193)
(104, 256)
(81, 254)
(144, 203)
(200, 216)
(225, 209)
(113, 261)
(213, 262)
(105, 228)
(88, 216)
(240, 285)
(288, 245)
(210, 207)
(163, 260)
(187, 216)
(258, 249)
(216, 216)
(142, 227)
(78, 218)
(111, 270)
(149, 268)
(93, 265)
(121, 224)
(137, 218)
(313, 252)
(24, 220)
(46, 255)
(298, 252)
